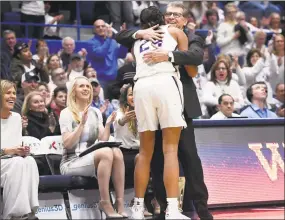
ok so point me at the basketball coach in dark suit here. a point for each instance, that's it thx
(195, 188)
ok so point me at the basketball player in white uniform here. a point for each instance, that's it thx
(158, 99)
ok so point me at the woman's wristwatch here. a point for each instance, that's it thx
(170, 57)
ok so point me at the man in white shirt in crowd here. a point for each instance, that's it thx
(228, 38)
(33, 12)
(226, 108)
(50, 18)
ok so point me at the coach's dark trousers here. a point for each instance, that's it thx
(196, 192)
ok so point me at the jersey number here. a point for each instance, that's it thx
(145, 45)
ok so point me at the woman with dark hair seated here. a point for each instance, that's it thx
(58, 100)
(45, 92)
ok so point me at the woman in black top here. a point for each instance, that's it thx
(38, 123)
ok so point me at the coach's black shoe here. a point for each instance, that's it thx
(202, 210)
(205, 215)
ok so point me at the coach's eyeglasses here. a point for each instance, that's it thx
(175, 14)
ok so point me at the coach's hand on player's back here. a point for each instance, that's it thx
(156, 56)
(151, 34)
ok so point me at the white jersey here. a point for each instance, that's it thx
(142, 46)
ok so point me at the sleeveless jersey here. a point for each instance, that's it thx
(142, 46)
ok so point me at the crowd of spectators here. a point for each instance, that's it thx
(242, 73)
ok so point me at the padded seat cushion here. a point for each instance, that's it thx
(60, 183)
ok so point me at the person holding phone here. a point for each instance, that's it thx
(19, 172)
(81, 126)
(125, 130)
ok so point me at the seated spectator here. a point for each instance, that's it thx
(81, 126)
(38, 123)
(278, 101)
(7, 50)
(59, 100)
(19, 172)
(50, 18)
(58, 78)
(226, 108)
(257, 94)
(105, 51)
(125, 125)
(29, 83)
(42, 51)
(105, 107)
(221, 82)
(43, 89)
(22, 63)
(53, 62)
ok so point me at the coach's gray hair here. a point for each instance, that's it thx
(179, 4)
(67, 38)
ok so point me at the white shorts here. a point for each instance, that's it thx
(158, 101)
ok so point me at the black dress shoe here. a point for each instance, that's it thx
(205, 215)
(201, 207)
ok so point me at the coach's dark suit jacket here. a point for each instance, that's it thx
(194, 56)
